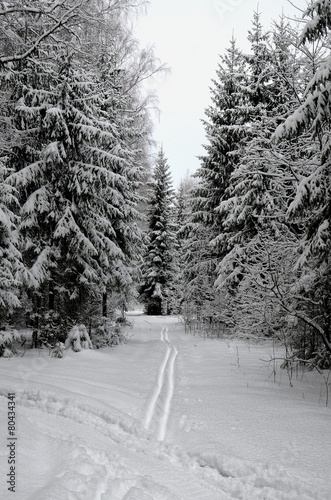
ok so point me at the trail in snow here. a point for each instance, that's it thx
(211, 430)
(159, 385)
(170, 392)
(164, 389)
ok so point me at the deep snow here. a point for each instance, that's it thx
(167, 416)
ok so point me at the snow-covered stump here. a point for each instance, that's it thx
(78, 339)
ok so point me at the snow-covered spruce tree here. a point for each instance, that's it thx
(226, 132)
(182, 218)
(10, 257)
(261, 184)
(311, 206)
(183, 210)
(259, 81)
(130, 142)
(200, 302)
(29, 31)
(12, 271)
(159, 268)
(120, 67)
(79, 191)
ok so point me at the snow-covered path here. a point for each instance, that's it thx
(164, 388)
(167, 416)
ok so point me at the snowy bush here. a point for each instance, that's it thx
(8, 353)
(57, 350)
(52, 328)
(321, 359)
(78, 338)
(7, 339)
(109, 333)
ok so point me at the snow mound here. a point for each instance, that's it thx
(78, 338)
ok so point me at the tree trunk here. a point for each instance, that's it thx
(104, 305)
(51, 297)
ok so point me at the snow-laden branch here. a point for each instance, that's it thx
(61, 23)
(320, 14)
(30, 10)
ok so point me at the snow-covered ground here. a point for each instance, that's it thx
(167, 416)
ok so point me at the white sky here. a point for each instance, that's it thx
(189, 36)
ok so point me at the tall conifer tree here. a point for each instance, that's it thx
(226, 132)
(160, 267)
(11, 267)
(258, 191)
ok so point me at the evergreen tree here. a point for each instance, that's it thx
(226, 132)
(159, 268)
(260, 81)
(183, 212)
(260, 187)
(10, 258)
(80, 189)
(182, 218)
(241, 97)
(262, 238)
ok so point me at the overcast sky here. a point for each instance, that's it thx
(189, 36)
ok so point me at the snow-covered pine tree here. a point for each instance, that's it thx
(12, 272)
(261, 239)
(120, 67)
(31, 35)
(182, 218)
(79, 189)
(226, 133)
(159, 268)
(183, 208)
(260, 187)
(10, 258)
(259, 82)
(119, 104)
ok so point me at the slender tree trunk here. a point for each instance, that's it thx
(104, 305)
(51, 296)
(36, 308)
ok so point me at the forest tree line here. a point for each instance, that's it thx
(243, 247)
(74, 153)
(253, 232)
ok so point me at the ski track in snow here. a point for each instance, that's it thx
(170, 391)
(192, 476)
(88, 469)
(159, 385)
(164, 388)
